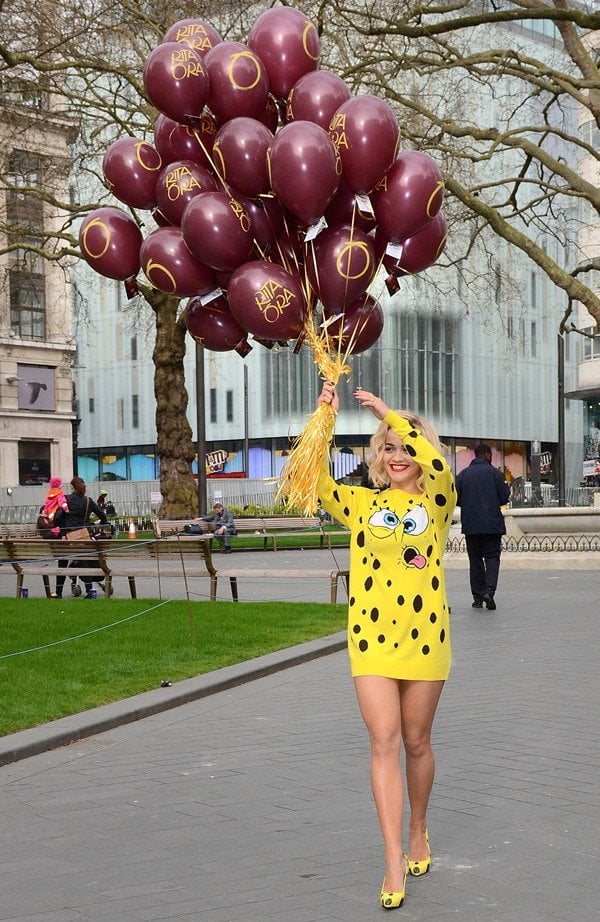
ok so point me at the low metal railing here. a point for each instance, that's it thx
(536, 543)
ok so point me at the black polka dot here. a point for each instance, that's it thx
(410, 450)
(352, 600)
(365, 559)
(381, 638)
(433, 617)
(363, 645)
(346, 510)
(440, 499)
(437, 562)
(364, 611)
(435, 583)
(413, 433)
(374, 614)
(336, 496)
(360, 539)
(437, 465)
(396, 646)
(376, 564)
(425, 649)
(356, 628)
(417, 603)
(394, 621)
(430, 550)
(400, 600)
(389, 583)
(414, 633)
(442, 635)
(368, 583)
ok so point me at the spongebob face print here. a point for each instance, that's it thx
(415, 522)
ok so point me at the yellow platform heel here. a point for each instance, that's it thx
(418, 868)
(393, 899)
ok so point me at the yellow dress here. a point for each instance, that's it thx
(398, 617)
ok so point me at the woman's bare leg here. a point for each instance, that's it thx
(418, 703)
(379, 702)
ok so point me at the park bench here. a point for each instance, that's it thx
(269, 528)
(188, 557)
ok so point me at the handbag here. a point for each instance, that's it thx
(80, 534)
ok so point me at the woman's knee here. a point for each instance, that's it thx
(385, 742)
(417, 744)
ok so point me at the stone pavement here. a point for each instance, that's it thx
(254, 804)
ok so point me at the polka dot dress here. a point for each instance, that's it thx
(398, 618)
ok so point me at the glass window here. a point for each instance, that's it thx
(27, 305)
(212, 398)
(34, 463)
(229, 405)
(134, 354)
(91, 405)
(135, 411)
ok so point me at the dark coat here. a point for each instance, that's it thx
(481, 491)
(76, 516)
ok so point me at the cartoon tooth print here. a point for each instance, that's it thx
(384, 524)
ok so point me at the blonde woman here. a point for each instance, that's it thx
(398, 618)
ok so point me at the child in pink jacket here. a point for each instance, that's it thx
(55, 500)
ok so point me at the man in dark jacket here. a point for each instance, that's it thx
(221, 523)
(481, 491)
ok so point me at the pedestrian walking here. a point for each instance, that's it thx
(78, 515)
(398, 624)
(481, 492)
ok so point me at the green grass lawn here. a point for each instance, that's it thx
(162, 641)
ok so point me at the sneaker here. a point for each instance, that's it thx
(489, 601)
(75, 590)
(477, 603)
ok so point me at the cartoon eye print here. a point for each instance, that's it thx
(416, 521)
(383, 523)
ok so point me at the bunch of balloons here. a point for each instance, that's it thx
(277, 194)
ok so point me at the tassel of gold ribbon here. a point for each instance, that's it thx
(298, 484)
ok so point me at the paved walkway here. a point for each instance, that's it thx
(254, 804)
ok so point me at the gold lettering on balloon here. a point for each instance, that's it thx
(96, 222)
(272, 299)
(195, 36)
(185, 64)
(439, 188)
(309, 30)
(289, 109)
(442, 245)
(234, 60)
(337, 132)
(208, 125)
(152, 266)
(354, 247)
(178, 181)
(141, 149)
(241, 214)
(217, 155)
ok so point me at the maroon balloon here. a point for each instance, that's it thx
(267, 220)
(176, 81)
(358, 328)
(195, 33)
(270, 117)
(218, 230)
(366, 135)
(170, 266)
(344, 210)
(289, 248)
(213, 326)
(341, 265)
(303, 167)
(288, 43)
(267, 301)
(418, 252)
(110, 242)
(131, 168)
(409, 196)
(178, 184)
(238, 81)
(180, 142)
(316, 97)
(240, 155)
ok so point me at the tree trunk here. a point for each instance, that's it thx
(174, 446)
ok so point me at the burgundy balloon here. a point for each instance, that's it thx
(267, 301)
(218, 230)
(195, 33)
(344, 210)
(358, 328)
(270, 117)
(267, 220)
(178, 184)
(365, 133)
(287, 42)
(303, 168)
(240, 155)
(409, 196)
(214, 326)
(418, 252)
(180, 142)
(110, 242)
(130, 169)
(289, 249)
(170, 266)
(316, 97)
(238, 81)
(341, 265)
(176, 81)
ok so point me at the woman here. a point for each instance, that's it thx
(398, 625)
(80, 507)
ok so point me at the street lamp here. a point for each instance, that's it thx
(201, 429)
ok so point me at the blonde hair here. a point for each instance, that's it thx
(375, 459)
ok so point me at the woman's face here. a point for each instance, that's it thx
(402, 470)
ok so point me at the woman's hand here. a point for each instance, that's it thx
(375, 404)
(329, 396)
